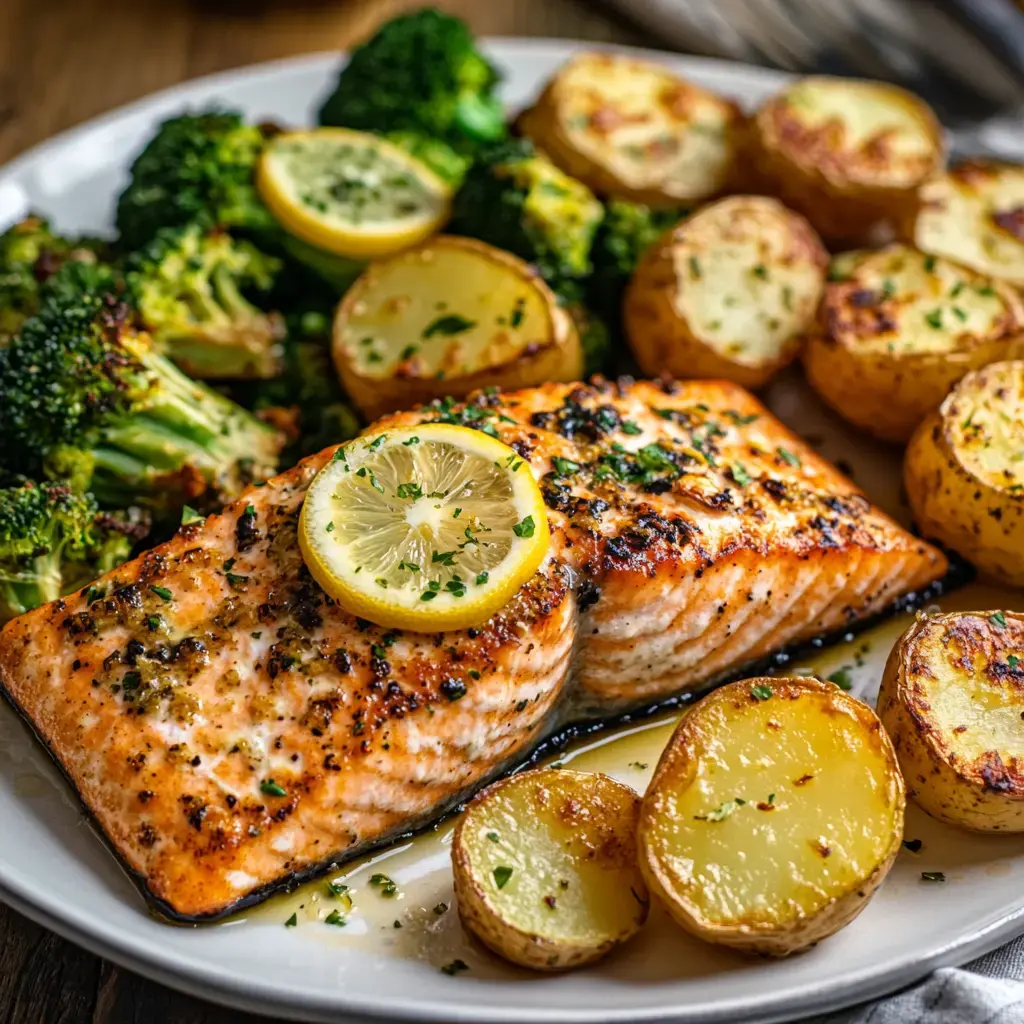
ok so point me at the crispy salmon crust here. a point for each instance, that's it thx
(229, 726)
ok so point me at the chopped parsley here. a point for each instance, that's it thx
(494, 837)
(190, 515)
(629, 427)
(565, 467)
(934, 319)
(448, 325)
(162, 592)
(292, 921)
(443, 558)
(409, 489)
(525, 527)
(998, 619)
(761, 692)
(502, 874)
(722, 811)
(482, 578)
(739, 474)
(842, 678)
(387, 887)
(933, 876)
(913, 845)
(272, 788)
(454, 967)
(336, 918)
(787, 456)
(409, 566)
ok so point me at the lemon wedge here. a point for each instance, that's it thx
(428, 528)
(351, 193)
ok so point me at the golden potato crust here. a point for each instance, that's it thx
(632, 129)
(727, 293)
(952, 699)
(775, 812)
(848, 154)
(974, 213)
(897, 328)
(964, 473)
(448, 317)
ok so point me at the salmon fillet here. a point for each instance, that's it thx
(230, 727)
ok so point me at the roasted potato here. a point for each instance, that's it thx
(897, 329)
(774, 813)
(974, 213)
(952, 700)
(445, 318)
(964, 475)
(728, 292)
(545, 868)
(847, 154)
(633, 130)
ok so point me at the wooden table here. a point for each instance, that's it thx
(64, 61)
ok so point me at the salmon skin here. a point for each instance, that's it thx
(229, 727)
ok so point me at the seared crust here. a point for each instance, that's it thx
(695, 534)
(847, 154)
(898, 328)
(951, 699)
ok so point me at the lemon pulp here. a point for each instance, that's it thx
(351, 193)
(429, 527)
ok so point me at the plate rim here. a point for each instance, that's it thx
(217, 984)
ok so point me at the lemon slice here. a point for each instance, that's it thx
(351, 193)
(427, 528)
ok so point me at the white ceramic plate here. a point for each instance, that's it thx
(54, 868)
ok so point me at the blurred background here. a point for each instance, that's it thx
(67, 60)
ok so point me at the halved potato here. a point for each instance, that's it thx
(974, 213)
(445, 318)
(897, 329)
(964, 471)
(848, 154)
(728, 292)
(632, 129)
(545, 868)
(952, 699)
(774, 813)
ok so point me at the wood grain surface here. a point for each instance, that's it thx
(62, 62)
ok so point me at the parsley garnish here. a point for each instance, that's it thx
(443, 557)
(190, 515)
(292, 921)
(761, 692)
(335, 917)
(932, 876)
(410, 490)
(842, 678)
(525, 528)
(162, 592)
(448, 325)
(722, 811)
(998, 619)
(565, 467)
(502, 874)
(482, 578)
(272, 788)
(787, 456)
(454, 967)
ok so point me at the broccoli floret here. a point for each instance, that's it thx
(628, 231)
(514, 198)
(79, 376)
(444, 161)
(54, 540)
(30, 253)
(188, 284)
(421, 73)
(196, 168)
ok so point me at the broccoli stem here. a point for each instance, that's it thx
(39, 584)
(182, 424)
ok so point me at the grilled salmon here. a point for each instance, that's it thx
(230, 727)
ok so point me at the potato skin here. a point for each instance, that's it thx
(889, 390)
(972, 213)
(592, 95)
(846, 194)
(681, 755)
(981, 519)
(558, 358)
(985, 794)
(661, 334)
(529, 949)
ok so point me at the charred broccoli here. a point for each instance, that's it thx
(514, 198)
(188, 287)
(196, 168)
(83, 386)
(420, 73)
(30, 253)
(628, 231)
(54, 540)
